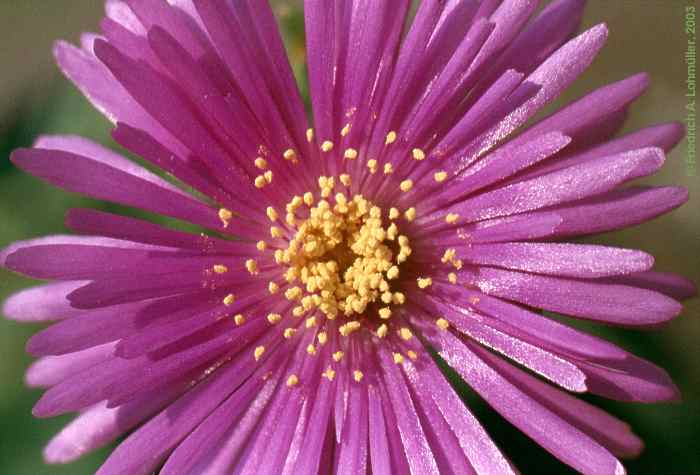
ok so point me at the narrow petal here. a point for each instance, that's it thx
(614, 304)
(570, 260)
(554, 434)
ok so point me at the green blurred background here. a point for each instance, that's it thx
(646, 35)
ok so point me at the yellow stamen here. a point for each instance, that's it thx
(418, 154)
(220, 269)
(406, 185)
(251, 266)
(350, 154)
(329, 374)
(239, 319)
(261, 163)
(410, 214)
(390, 138)
(357, 375)
(451, 218)
(229, 299)
(292, 380)
(274, 318)
(442, 324)
(327, 146)
(225, 216)
(259, 352)
(440, 176)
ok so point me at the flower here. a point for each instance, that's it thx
(418, 216)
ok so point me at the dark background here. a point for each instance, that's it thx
(646, 35)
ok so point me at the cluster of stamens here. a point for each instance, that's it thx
(342, 258)
(340, 255)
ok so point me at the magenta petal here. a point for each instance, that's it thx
(100, 425)
(51, 370)
(673, 285)
(42, 303)
(571, 184)
(570, 260)
(88, 176)
(554, 434)
(417, 448)
(588, 299)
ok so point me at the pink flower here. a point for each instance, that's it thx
(417, 216)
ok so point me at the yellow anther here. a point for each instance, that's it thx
(357, 375)
(272, 213)
(337, 356)
(418, 154)
(308, 198)
(220, 269)
(390, 138)
(225, 216)
(406, 185)
(292, 380)
(289, 332)
(272, 287)
(442, 324)
(327, 146)
(310, 322)
(261, 245)
(410, 214)
(424, 282)
(394, 213)
(290, 219)
(329, 374)
(311, 349)
(239, 319)
(350, 154)
(388, 169)
(440, 176)
(309, 135)
(412, 354)
(268, 176)
(398, 298)
(293, 293)
(251, 266)
(372, 165)
(405, 333)
(345, 131)
(229, 299)
(274, 318)
(451, 218)
(345, 179)
(259, 351)
(349, 327)
(260, 163)
(260, 181)
(290, 154)
(398, 358)
(448, 255)
(382, 330)
(322, 338)
(384, 313)
(452, 278)
(275, 232)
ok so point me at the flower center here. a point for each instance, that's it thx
(343, 257)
